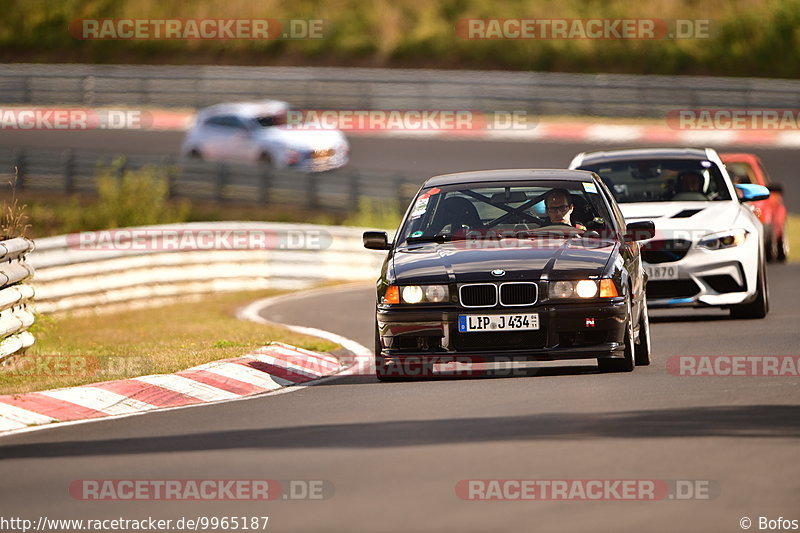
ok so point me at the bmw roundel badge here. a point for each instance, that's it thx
(498, 272)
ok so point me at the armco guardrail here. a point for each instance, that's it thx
(71, 171)
(365, 88)
(155, 262)
(15, 297)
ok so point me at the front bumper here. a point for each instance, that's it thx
(431, 334)
(706, 278)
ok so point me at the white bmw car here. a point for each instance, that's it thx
(708, 248)
(258, 132)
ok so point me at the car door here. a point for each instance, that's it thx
(224, 136)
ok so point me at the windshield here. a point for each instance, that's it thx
(662, 180)
(517, 210)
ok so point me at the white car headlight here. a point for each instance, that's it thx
(723, 239)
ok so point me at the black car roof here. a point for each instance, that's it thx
(521, 174)
(642, 153)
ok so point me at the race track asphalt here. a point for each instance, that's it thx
(395, 451)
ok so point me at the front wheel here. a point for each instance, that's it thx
(626, 363)
(759, 307)
(783, 247)
(642, 347)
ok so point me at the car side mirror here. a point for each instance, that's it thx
(750, 192)
(775, 187)
(376, 240)
(640, 231)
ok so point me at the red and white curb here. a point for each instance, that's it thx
(265, 370)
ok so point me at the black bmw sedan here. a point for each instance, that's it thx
(511, 265)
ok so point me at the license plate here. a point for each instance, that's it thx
(516, 322)
(661, 272)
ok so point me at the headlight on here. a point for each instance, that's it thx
(586, 288)
(414, 294)
(582, 288)
(723, 239)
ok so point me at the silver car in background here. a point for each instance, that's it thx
(258, 132)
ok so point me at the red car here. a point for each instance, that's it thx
(748, 168)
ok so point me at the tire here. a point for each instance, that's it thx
(770, 247)
(266, 160)
(625, 364)
(641, 350)
(783, 247)
(759, 307)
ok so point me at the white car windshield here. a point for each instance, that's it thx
(662, 180)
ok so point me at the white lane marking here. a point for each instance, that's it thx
(788, 138)
(187, 386)
(708, 137)
(13, 417)
(242, 372)
(101, 400)
(612, 133)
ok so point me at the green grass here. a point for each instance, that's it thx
(749, 37)
(145, 341)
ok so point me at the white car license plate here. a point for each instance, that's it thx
(516, 322)
(661, 272)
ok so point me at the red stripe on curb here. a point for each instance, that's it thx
(52, 407)
(222, 382)
(144, 392)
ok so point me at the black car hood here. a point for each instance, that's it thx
(455, 262)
